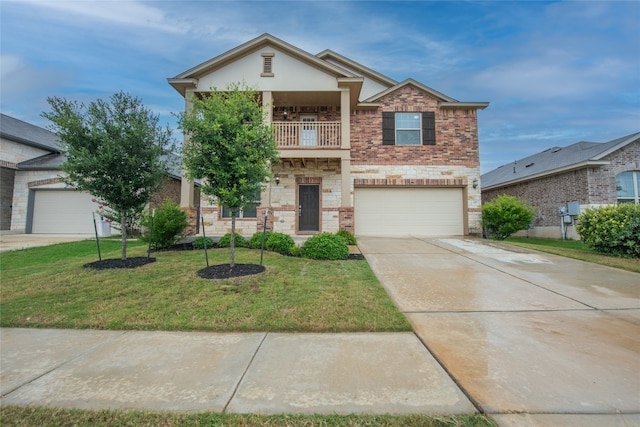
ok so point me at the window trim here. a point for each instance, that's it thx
(427, 128)
(635, 181)
(267, 65)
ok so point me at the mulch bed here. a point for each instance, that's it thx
(224, 271)
(120, 263)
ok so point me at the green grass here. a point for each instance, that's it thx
(48, 287)
(31, 416)
(575, 249)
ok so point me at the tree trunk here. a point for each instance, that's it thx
(232, 255)
(123, 228)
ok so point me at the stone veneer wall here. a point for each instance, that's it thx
(282, 202)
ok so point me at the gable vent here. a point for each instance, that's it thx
(267, 65)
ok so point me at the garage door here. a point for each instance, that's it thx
(409, 212)
(63, 212)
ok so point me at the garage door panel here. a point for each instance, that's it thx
(63, 212)
(408, 211)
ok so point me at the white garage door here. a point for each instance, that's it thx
(408, 212)
(63, 212)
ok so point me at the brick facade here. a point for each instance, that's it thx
(456, 133)
(591, 186)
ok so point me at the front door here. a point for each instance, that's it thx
(309, 208)
(309, 135)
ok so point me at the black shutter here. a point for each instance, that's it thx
(388, 128)
(428, 128)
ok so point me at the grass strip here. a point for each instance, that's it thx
(18, 416)
(575, 249)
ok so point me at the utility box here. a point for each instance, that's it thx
(104, 228)
(573, 208)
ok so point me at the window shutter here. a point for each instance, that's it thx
(388, 129)
(428, 128)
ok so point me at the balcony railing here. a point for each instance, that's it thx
(309, 135)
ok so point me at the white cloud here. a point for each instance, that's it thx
(123, 12)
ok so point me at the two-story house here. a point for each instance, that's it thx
(358, 151)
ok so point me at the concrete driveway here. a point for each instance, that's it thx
(15, 241)
(532, 339)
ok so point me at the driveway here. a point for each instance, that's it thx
(14, 241)
(532, 339)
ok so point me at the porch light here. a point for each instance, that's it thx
(475, 183)
(284, 114)
(277, 179)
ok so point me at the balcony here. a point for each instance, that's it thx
(308, 135)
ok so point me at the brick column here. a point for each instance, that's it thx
(260, 217)
(345, 220)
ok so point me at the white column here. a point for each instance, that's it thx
(345, 118)
(186, 186)
(345, 181)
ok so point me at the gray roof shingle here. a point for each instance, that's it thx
(26, 133)
(553, 160)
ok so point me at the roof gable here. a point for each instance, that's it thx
(190, 77)
(555, 160)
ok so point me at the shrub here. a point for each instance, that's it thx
(295, 251)
(168, 223)
(225, 241)
(504, 215)
(279, 242)
(198, 243)
(325, 246)
(256, 240)
(347, 236)
(613, 230)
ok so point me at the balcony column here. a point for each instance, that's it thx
(186, 186)
(265, 196)
(267, 106)
(345, 119)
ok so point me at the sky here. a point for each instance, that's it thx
(555, 73)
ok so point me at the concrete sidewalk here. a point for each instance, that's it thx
(267, 373)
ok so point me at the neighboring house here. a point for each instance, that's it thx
(576, 177)
(34, 197)
(358, 150)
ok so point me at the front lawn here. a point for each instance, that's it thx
(48, 287)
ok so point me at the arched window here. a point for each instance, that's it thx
(628, 186)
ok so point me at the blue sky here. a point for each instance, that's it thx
(555, 73)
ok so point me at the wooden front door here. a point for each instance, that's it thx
(309, 208)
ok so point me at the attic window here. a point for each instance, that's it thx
(267, 65)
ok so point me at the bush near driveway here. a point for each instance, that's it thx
(325, 246)
(612, 230)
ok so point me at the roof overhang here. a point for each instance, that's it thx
(181, 85)
(569, 168)
(465, 105)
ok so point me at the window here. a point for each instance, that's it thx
(408, 128)
(628, 186)
(267, 65)
(249, 211)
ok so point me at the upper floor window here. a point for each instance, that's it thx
(408, 128)
(628, 186)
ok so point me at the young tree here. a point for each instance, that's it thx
(115, 151)
(229, 146)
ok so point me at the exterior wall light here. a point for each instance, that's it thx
(475, 183)
(277, 179)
